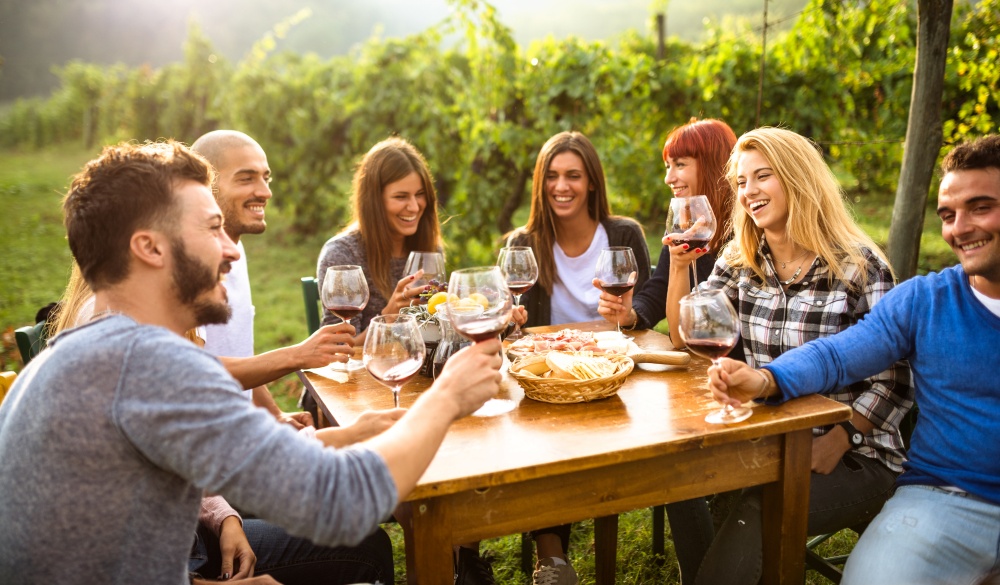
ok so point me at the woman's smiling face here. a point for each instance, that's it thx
(759, 192)
(405, 201)
(682, 176)
(567, 186)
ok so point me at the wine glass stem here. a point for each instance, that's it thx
(395, 395)
(517, 326)
(618, 322)
(694, 276)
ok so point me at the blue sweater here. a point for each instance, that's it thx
(953, 345)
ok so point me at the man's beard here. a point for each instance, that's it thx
(191, 280)
(235, 227)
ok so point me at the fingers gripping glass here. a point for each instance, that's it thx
(693, 223)
(345, 294)
(432, 263)
(617, 272)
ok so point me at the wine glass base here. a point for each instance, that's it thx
(515, 335)
(728, 415)
(354, 365)
(495, 406)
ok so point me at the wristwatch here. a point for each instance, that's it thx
(853, 435)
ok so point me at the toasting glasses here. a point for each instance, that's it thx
(710, 328)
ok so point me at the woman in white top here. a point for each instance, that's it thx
(570, 222)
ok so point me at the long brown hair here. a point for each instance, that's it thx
(818, 217)
(710, 142)
(541, 226)
(389, 161)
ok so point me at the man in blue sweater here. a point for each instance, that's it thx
(943, 523)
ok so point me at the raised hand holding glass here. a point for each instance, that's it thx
(394, 351)
(517, 263)
(345, 294)
(693, 223)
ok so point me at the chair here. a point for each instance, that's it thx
(31, 339)
(6, 381)
(310, 295)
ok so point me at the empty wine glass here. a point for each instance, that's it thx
(693, 223)
(617, 272)
(432, 263)
(394, 351)
(345, 294)
(710, 328)
(517, 263)
(481, 306)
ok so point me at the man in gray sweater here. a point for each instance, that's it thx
(109, 437)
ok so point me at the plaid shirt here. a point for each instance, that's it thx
(775, 320)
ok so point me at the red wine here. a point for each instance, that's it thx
(345, 312)
(617, 288)
(692, 243)
(520, 287)
(392, 373)
(481, 330)
(713, 349)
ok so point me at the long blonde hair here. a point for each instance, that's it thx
(818, 217)
(389, 161)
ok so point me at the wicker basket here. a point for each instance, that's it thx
(560, 391)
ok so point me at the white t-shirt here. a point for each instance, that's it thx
(993, 305)
(234, 339)
(574, 297)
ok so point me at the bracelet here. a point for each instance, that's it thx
(763, 386)
(631, 327)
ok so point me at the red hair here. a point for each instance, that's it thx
(710, 142)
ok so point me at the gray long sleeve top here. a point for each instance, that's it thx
(109, 437)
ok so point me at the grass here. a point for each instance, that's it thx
(35, 264)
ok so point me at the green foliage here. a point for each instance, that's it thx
(479, 106)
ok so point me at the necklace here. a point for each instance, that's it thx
(798, 271)
(792, 260)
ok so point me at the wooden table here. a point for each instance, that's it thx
(544, 465)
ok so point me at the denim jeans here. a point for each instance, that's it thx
(853, 493)
(927, 535)
(292, 560)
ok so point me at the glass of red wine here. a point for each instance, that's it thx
(521, 271)
(432, 263)
(394, 351)
(693, 223)
(617, 272)
(710, 328)
(345, 294)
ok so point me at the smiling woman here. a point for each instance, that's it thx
(395, 213)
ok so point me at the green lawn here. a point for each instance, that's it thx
(35, 264)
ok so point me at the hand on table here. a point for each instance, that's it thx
(330, 343)
(614, 309)
(733, 382)
(471, 376)
(374, 422)
(238, 559)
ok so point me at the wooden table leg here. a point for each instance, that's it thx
(786, 512)
(606, 547)
(432, 561)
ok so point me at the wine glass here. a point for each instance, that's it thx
(693, 223)
(394, 351)
(345, 294)
(481, 305)
(710, 328)
(517, 263)
(479, 310)
(432, 263)
(616, 272)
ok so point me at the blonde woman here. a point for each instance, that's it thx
(799, 268)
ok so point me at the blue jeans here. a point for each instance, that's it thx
(852, 494)
(929, 535)
(291, 560)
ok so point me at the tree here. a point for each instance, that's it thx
(923, 135)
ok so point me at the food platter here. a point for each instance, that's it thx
(595, 343)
